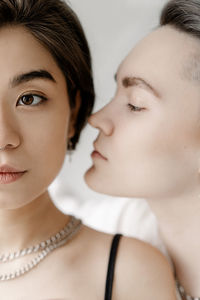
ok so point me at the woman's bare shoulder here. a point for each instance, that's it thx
(142, 272)
(96, 242)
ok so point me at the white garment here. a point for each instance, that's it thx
(131, 217)
(178, 295)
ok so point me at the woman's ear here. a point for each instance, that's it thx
(74, 115)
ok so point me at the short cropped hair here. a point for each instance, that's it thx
(184, 15)
(55, 25)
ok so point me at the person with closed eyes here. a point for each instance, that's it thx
(148, 144)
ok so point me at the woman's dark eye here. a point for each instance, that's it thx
(134, 108)
(30, 100)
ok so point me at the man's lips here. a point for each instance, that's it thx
(97, 154)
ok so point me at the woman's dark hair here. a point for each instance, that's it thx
(56, 27)
(184, 15)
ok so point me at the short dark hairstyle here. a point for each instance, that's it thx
(184, 15)
(55, 25)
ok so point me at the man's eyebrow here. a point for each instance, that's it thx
(36, 74)
(137, 81)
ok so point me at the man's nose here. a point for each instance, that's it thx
(102, 120)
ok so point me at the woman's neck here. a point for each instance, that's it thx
(28, 225)
(179, 223)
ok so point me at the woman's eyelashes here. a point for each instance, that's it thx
(31, 99)
(135, 108)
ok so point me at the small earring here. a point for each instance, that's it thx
(70, 150)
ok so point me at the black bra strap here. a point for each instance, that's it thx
(111, 267)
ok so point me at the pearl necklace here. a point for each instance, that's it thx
(183, 293)
(44, 248)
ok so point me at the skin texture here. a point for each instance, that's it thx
(25, 127)
(151, 141)
(144, 153)
(35, 139)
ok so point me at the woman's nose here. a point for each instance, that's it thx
(102, 120)
(9, 137)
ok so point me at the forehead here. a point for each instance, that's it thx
(21, 51)
(16, 40)
(159, 56)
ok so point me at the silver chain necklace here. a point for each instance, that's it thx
(43, 249)
(183, 294)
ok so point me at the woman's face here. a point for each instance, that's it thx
(149, 134)
(34, 118)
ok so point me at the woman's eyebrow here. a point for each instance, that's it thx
(36, 74)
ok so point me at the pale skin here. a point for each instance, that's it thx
(33, 132)
(150, 136)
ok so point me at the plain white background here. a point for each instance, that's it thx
(112, 28)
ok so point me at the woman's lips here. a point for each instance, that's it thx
(96, 154)
(9, 174)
